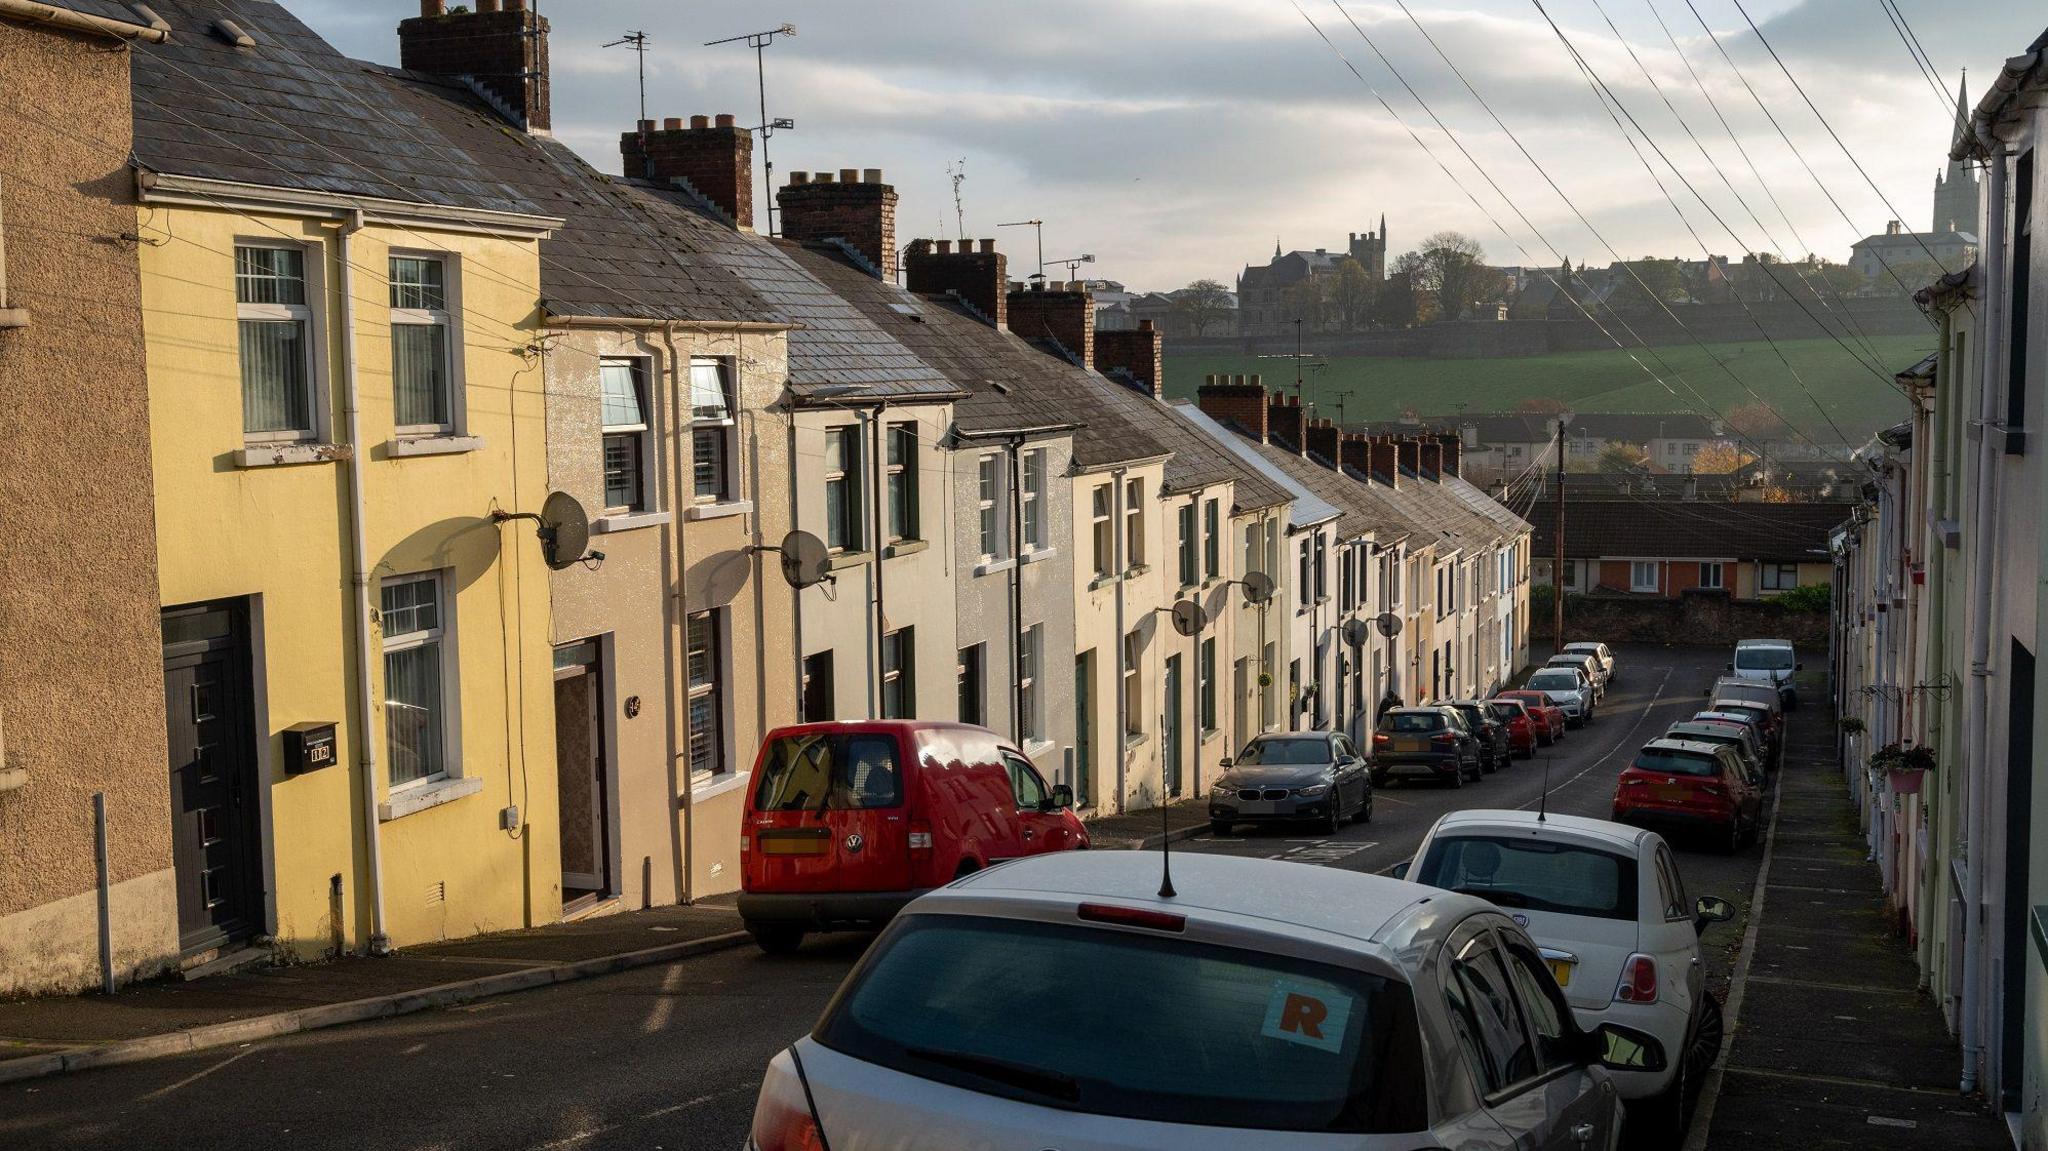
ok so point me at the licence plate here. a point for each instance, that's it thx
(1562, 972)
(1256, 807)
(794, 845)
(1411, 743)
(1671, 792)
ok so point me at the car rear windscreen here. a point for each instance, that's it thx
(1676, 762)
(1539, 875)
(1763, 659)
(1412, 721)
(1561, 680)
(1505, 712)
(837, 771)
(1136, 1026)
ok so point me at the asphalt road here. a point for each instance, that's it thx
(670, 1057)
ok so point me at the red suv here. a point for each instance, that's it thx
(847, 822)
(1691, 785)
(1548, 716)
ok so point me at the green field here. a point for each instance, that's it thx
(1604, 381)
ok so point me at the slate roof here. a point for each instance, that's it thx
(105, 9)
(1657, 529)
(1304, 506)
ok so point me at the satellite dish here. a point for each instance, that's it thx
(564, 530)
(1258, 587)
(1189, 617)
(1388, 623)
(804, 559)
(1356, 632)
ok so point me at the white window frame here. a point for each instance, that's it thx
(1206, 712)
(448, 317)
(1212, 538)
(721, 760)
(722, 430)
(311, 314)
(992, 505)
(1133, 687)
(848, 475)
(1030, 710)
(1102, 499)
(1031, 499)
(642, 432)
(1251, 549)
(1635, 572)
(1189, 553)
(1134, 524)
(902, 434)
(902, 678)
(1772, 576)
(1720, 575)
(442, 636)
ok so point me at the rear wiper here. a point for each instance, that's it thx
(1050, 1084)
(1496, 895)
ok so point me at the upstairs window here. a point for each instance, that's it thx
(1134, 524)
(1104, 531)
(1189, 574)
(711, 431)
(1032, 499)
(842, 488)
(276, 337)
(1212, 539)
(422, 352)
(992, 500)
(1029, 653)
(624, 429)
(901, 468)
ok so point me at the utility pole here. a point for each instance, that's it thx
(1557, 570)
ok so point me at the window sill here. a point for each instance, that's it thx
(906, 548)
(435, 446)
(1034, 748)
(991, 567)
(423, 796)
(627, 521)
(285, 454)
(841, 560)
(1132, 740)
(1209, 733)
(704, 785)
(1039, 555)
(718, 511)
(1101, 581)
(13, 317)
(1135, 570)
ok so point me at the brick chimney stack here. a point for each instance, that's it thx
(1138, 352)
(1322, 441)
(1064, 311)
(1430, 458)
(1284, 421)
(716, 159)
(1453, 452)
(857, 208)
(1354, 452)
(980, 277)
(503, 52)
(1409, 453)
(1235, 400)
(1386, 462)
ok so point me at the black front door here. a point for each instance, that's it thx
(214, 828)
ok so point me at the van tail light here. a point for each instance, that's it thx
(1638, 980)
(746, 846)
(782, 1117)
(920, 837)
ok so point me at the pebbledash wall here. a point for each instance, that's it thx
(75, 468)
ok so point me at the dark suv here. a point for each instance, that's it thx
(1495, 748)
(1424, 743)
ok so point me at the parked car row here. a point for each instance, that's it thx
(1706, 775)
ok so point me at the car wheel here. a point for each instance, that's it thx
(1489, 763)
(1658, 1123)
(1731, 842)
(776, 938)
(1707, 1037)
(1458, 776)
(1331, 823)
(1219, 827)
(1365, 813)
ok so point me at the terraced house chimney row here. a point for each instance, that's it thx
(1386, 462)
(1322, 441)
(1138, 352)
(502, 53)
(716, 159)
(980, 276)
(1238, 401)
(1284, 421)
(1453, 452)
(857, 209)
(1354, 451)
(1429, 455)
(1063, 311)
(1410, 454)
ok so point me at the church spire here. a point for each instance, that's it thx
(1962, 105)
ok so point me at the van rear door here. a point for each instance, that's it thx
(830, 813)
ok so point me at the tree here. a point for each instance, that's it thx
(1309, 301)
(1352, 294)
(1661, 282)
(1446, 267)
(1718, 458)
(1397, 305)
(1202, 303)
(1620, 457)
(1757, 422)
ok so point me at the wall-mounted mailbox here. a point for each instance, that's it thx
(308, 747)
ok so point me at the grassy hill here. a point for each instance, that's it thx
(1603, 381)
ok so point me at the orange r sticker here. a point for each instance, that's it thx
(1311, 1014)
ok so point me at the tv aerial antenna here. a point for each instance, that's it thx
(759, 42)
(637, 41)
(957, 172)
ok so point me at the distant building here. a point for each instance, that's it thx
(1900, 249)
(1262, 290)
(1632, 546)
(1957, 207)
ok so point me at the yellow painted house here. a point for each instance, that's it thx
(343, 369)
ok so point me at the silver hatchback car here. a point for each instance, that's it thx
(1061, 1001)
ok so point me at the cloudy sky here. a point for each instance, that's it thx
(1175, 139)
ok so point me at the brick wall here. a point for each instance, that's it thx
(857, 208)
(716, 158)
(981, 277)
(1322, 440)
(1284, 420)
(505, 52)
(1410, 454)
(1066, 312)
(1386, 462)
(1136, 351)
(1429, 455)
(1238, 400)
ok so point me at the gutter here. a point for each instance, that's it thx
(81, 22)
(152, 187)
(1977, 142)
(359, 576)
(557, 320)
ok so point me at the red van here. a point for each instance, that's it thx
(848, 821)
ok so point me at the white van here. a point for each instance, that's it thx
(1770, 661)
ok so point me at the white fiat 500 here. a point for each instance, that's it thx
(1064, 1001)
(1605, 903)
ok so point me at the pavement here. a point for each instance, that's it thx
(1834, 1044)
(669, 1055)
(1146, 830)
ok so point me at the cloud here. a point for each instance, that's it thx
(1179, 138)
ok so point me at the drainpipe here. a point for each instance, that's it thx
(1017, 589)
(1117, 563)
(1976, 754)
(676, 637)
(873, 416)
(359, 558)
